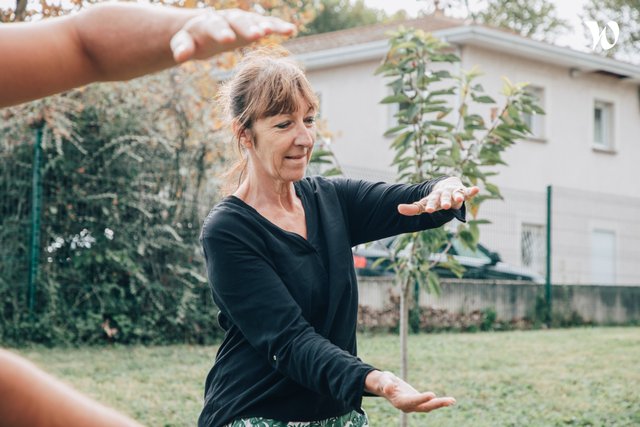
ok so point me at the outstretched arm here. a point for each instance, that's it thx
(117, 41)
(32, 398)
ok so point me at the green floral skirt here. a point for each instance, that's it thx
(352, 419)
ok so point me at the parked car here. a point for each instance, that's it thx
(480, 263)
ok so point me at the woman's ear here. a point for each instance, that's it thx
(244, 135)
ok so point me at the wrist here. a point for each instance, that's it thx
(372, 383)
(376, 381)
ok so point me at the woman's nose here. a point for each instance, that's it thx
(305, 135)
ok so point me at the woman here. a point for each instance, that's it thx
(278, 253)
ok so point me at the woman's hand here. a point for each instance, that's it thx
(402, 395)
(213, 32)
(447, 194)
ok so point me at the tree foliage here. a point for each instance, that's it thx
(337, 15)
(441, 132)
(124, 169)
(536, 19)
(296, 11)
(627, 14)
(129, 170)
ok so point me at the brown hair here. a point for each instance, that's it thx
(267, 82)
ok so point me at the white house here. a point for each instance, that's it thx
(586, 147)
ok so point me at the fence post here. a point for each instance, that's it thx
(548, 272)
(36, 198)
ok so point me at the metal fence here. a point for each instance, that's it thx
(593, 238)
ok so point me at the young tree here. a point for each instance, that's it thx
(440, 132)
(536, 19)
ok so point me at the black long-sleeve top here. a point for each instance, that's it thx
(289, 305)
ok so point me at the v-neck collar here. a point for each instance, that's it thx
(238, 201)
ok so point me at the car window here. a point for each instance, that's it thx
(463, 250)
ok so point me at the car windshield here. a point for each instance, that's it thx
(463, 250)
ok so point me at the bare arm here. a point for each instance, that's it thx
(32, 398)
(117, 42)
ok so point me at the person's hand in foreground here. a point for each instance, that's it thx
(449, 193)
(216, 31)
(117, 41)
(402, 395)
(30, 397)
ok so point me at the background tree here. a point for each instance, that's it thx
(627, 14)
(536, 19)
(296, 11)
(337, 15)
(433, 138)
(129, 171)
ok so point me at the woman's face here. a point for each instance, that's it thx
(282, 144)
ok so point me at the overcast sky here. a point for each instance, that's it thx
(569, 10)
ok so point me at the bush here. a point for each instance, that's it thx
(119, 257)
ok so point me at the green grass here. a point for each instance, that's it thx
(569, 377)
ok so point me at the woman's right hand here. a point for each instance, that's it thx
(402, 395)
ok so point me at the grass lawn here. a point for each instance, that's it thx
(569, 377)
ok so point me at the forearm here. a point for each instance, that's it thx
(104, 42)
(32, 398)
(123, 41)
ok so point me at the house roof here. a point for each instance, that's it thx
(370, 42)
(366, 34)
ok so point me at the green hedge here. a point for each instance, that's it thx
(119, 259)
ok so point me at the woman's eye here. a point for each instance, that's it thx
(283, 125)
(310, 120)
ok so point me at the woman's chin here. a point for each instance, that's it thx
(295, 174)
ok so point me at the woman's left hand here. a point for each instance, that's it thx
(447, 194)
(402, 395)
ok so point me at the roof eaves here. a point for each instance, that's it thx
(539, 51)
(484, 37)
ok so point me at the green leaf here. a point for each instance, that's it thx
(395, 130)
(491, 188)
(396, 99)
(332, 172)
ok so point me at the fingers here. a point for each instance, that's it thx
(435, 403)
(448, 197)
(252, 26)
(182, 46)
(214, 32)
(412, 401)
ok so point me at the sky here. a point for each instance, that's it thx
(569, 10)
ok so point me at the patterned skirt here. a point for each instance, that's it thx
(352, 419)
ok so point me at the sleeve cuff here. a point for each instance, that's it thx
(460, 214)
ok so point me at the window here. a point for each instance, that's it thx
(533, 247)
(535, 122)
(394, 109)
(603, 257)
(603, 125)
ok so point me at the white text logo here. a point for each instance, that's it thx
(601, 36)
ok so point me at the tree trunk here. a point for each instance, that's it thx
(404, 335)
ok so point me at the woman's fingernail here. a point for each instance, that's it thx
(227, 34)
(254, 30)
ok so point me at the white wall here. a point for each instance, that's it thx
(565, 159)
